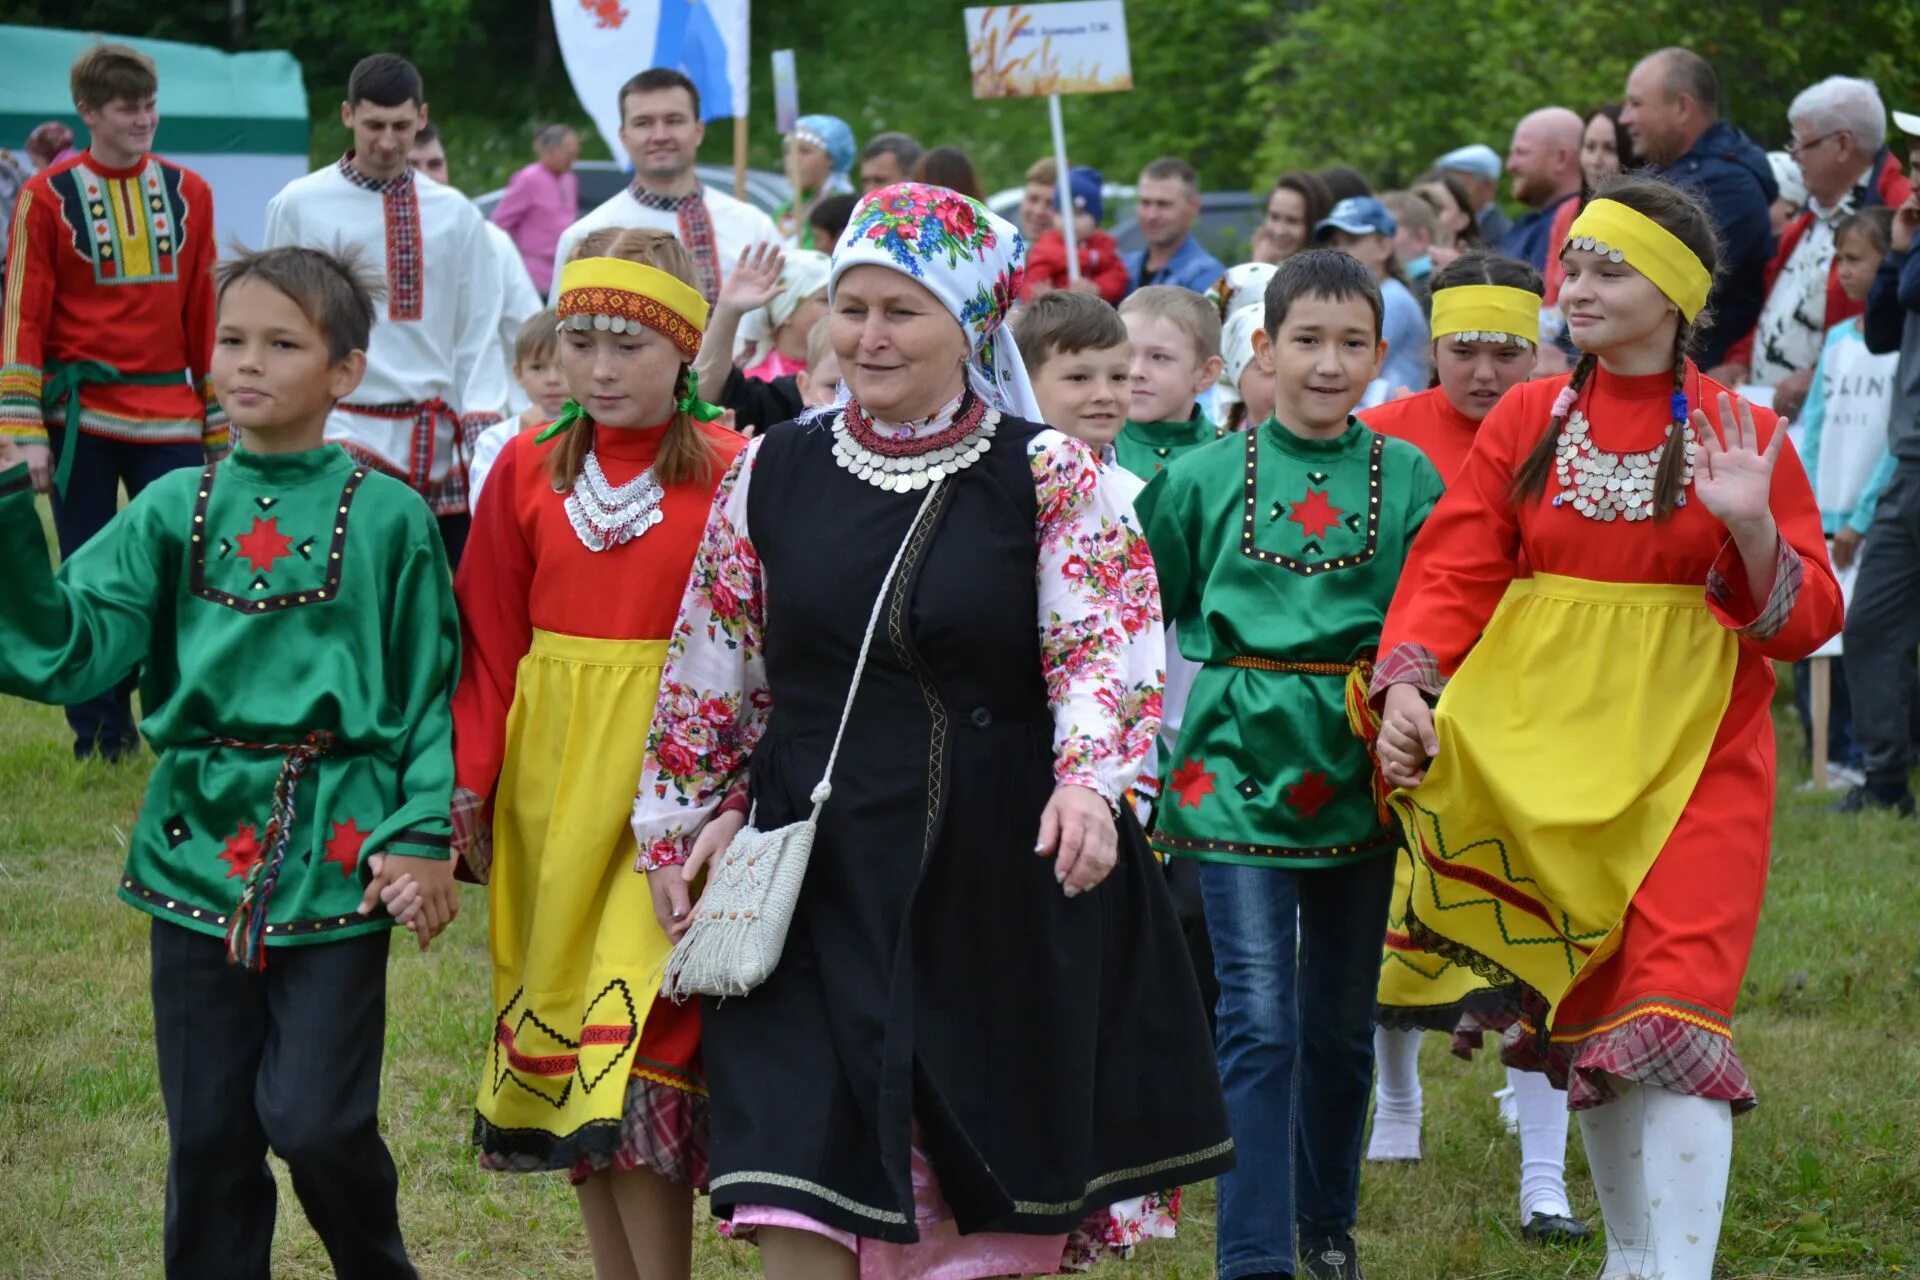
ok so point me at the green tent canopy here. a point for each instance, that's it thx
(211, 102)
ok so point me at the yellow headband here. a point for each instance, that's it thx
(614, 292)
(1487, 309)
(1627, 235)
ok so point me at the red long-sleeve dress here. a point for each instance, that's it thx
(1628, 689)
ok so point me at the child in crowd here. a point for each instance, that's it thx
(819, 383)
(1361, 226)
(536, 367)
(300, 643)
(580, 558)
(1417, 228)
(1486, 336)
(1246, 377)
(1175, 337)
(1102, 270)
(772, 338)
(1278, 551)
(829, 216)
(1844, 440)
(765, 284)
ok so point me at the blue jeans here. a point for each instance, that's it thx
(1298, 958)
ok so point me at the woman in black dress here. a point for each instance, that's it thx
(983, 1031)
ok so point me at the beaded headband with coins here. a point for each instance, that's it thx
(1614, 231)
(1487, 313)
(617, 296)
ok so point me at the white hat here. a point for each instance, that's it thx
(1908, 123)
(1480, 160)
(1786, 176)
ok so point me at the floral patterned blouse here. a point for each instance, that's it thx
(1100, 646)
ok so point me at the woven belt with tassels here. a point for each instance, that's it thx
(246, 935)
(1361, 718)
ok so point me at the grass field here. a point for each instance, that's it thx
(1826, 1173)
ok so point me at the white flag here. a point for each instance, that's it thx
(607, 42)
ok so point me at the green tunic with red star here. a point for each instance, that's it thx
(1277, 558)
(270, 603)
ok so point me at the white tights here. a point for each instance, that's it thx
(1660, 1162)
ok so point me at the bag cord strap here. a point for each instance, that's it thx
(825, 789)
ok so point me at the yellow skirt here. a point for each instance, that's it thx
(1418, 987)
(576, 951)
(1570, 742)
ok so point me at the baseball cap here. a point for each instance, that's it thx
(1479, 159)
(1357, 216)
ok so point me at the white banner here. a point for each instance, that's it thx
(1025, 51)
(607, 42)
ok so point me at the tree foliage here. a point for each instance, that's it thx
(1243, 88)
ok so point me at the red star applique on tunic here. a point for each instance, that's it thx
(1310, 795)
(1314, 514)
(1192, 783)
(343, 846)
(242, 851)
(263, 544)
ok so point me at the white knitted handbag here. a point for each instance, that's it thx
(740, 923)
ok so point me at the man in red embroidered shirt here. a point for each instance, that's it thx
(435, 374)
(107, 326)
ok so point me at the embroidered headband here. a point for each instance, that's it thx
(1627, 235)
(1487, 313)
(626, 297)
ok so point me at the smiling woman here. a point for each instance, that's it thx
(875, 1102)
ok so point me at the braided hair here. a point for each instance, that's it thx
(1681, 213)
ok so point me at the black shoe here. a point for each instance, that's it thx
(1553, 1228)
(1865, 800)
(1330, 1259)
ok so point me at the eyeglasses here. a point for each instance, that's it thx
(1795, 146)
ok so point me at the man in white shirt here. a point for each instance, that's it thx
(519, 300)
(660, 128)
(435, 377)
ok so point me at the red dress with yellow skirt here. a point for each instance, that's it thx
(1596, 825)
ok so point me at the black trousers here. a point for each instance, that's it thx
(1883, 629)
(104, 723)
(288, 1059)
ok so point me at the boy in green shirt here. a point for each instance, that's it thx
(293, 619)
(1175, 337)
(1278, 551)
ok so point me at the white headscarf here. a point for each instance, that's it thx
(1242, 286)
(968, 257)
(1236, 353)
(804, 275)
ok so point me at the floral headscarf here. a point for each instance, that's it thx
(835, 137)
(968, 257)
(1242, 286)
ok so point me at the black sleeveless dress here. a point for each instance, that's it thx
(1053, 1051)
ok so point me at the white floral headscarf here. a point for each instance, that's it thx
(804, 275)
(968, 257)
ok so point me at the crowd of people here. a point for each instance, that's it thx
(1204, 645)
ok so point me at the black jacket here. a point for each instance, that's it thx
(1730, 172)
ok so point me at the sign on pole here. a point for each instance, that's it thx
(1029, 51)
(786, 92)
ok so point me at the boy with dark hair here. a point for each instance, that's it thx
(1278, 551)
(1075, 348)
(1175, 340)
(436, 377)
(295, 615)
(661, 130)
(106, 330)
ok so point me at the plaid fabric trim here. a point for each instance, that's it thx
(662, 1128)
(406, 255)
(696, 232)
(447, 497)
(1792, 571)
(1663, 1043)
(1413, 664)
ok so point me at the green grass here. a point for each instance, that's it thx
(1826, 1172)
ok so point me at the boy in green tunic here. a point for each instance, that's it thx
(294, 621)
(1175, 337)
(1278, 551)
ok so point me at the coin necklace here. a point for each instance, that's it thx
(605, 516)
(913, 462)
(1612, 486)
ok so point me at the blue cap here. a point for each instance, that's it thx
(1357, 216)
(1085, 184)
(1480, 160)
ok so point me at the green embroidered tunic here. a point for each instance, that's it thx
(1145, 448)
(1279, 554)
(272, 601)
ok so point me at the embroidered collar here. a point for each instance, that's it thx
(666, 204)
(399, 182)
(917, 430)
